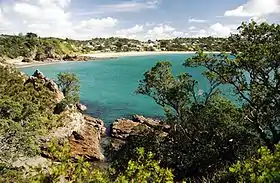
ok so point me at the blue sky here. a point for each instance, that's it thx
(140, 19)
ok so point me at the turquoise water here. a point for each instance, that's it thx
(108, 86)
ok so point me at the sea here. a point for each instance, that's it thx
(107, 87)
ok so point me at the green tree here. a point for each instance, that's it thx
(253, 72)
(145, 169)
(264, 168)
(207, 130)
(66, 169)
(70, 86)
(31, 35)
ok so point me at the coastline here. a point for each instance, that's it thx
(98, 56)
(19, 64)
(128, 54)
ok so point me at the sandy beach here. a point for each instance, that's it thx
(128, 54)
(102, 55)
(19, 64)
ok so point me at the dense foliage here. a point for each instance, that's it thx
(265, 168)
(25, 113)
(64, 169)
(33, 47)
(254, 73)
(209, 132)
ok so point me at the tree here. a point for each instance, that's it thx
(69, 85)
(145, 169)
(31, 35)
(253, 70)
(263, 168)
(66, 169)
(207, 130)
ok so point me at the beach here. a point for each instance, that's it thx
(99, 55)
(127, 54)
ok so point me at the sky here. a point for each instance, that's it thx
(137, 19)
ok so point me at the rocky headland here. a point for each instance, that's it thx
(86, 134)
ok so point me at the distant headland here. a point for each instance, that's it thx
(30, 49)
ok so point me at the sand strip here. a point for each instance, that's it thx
(102, 55)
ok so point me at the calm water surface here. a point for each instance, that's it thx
(108, 86)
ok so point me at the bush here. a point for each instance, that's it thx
(265, 168)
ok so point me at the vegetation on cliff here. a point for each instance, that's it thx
(26, 112)
(37, 48)
(33, 47)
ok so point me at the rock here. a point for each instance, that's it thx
(122, 128)
(51, 85)
(27, 60)
(75, 58)
(29, 162)
(84, 134)
(97, 123)
(81, 107)
(83, 58)
(38, 77)
(38, 74)
(86, 144)
(151, 122)
(40, 57)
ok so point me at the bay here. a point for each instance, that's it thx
(108, 86)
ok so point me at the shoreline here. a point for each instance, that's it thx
(99, 56)
(128, 54)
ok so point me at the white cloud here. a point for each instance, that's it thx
(215, 30)
(61, 3)
(199, 33)
(163, 32)
(123, 6)
(99, 23)
(192, 28)
(193, 20)
(4, 24)
(52, 18)
(133, 30)
(26, 9)
(149, 24)
(220, 30)
(255, 8)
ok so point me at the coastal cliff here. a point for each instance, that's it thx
(83, 133)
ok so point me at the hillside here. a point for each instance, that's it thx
(31, 47)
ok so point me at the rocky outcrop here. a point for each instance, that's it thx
(27, 60)
(86, 141)
(153, 123)
(83, 133)
(50, 84)
(76, 58)
(121, 129)
(86, 144)
(81, 107)
(84, 58)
